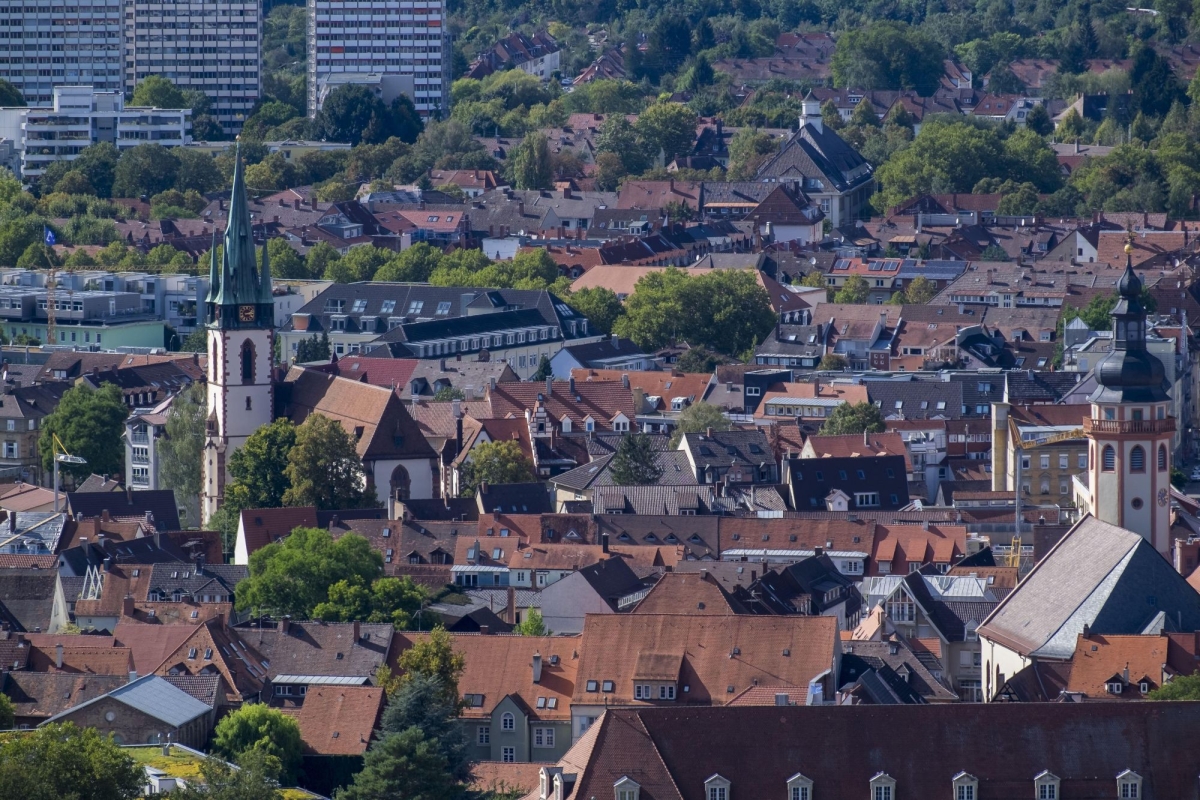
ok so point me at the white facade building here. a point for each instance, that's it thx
(81, 116)
(214, 47)
(405, 38)
(44, 44)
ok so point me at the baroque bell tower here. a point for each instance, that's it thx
(1130, 429)
(240, 318)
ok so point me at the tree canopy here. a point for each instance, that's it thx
(258, 728)
(495, 462)
(696, 418)
(61, 760)
(853, 418)
(90, 423)
(636, 461)
(324, 468)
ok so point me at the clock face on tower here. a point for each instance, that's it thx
(246, 313)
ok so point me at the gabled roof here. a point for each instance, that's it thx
(153, 696)
(717, 656)
(897, 667)
(812, 480)
(338, 720)
(262, 526)
(817, 152)
(599, 400)
(497, 667)
(40, 695)
(27, 598)
(688, 593)
(321, 648)
(160, 503)
(1098, 575)
(373, 415)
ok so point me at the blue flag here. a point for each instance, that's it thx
(49, 236)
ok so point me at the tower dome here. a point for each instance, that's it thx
(1129, 374)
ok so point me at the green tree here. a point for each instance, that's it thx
(887, 55)
(636, 462)
(325, 469)
(434, 656)
(89, 423)
(10, 96)
(920, 290)
(855, 290)
(669, 128)
(419, 701)
(696, 418)
(61, 760)
(313, 349)
(197, 171)
(544, 370)
(259, 467)
(831, 116)
(352, 113)
(748, 150)
(181, 450)
(495, 462)
(853, 418)
(532, 625)
(993, 253)
(293, 576)
(448, 393)
(256, 777)
(258, 728)
(391, 600)
(697, 360)
(404, 765)
(414, 265)
(155, 91)
(1181, 687)
(286, 263)
(1070, 128)
(601, 306)
(833, 362)
(530, 165)
(1038, 120)
(945, 156)
(320, 257)
(145, 170)
(8, 714)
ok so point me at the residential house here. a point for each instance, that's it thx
(793, 346)
(847, 484)
(1039, 448)
(604, 587)
(609, 353)
(579, 484)
(814, 586)
(645, 660)
(337, 724)
(295, 656)
(788, 215)
(38, 696)
(734, 456)
(566, 407)
(822, 165)
(890, 673)
(805, 402)
(21, 411)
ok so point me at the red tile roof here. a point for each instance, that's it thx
(601, 400)
(338, 720)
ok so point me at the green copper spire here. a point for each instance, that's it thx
(239, 295)
(214, 275)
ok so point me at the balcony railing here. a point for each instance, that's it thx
(139, 438)
(1134, 426)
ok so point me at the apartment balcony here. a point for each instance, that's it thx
(137, 459)
(140, 438)
(1133, 426)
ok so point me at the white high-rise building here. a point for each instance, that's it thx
(44, 44)
(213, 46)
(370, 38)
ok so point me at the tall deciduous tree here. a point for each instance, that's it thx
(391, 600)
(259, 467)
(636, 462)
(181, 450)
(10, 96)
(530, 165)
(89, 423)
(256, 727)
(293, 576)
(434, 656)
(495, 462)
(325, 469)
(696, 418)
(888, 55)
(145, 170)
(669, 128)
(62, 760)
(601, 306)
(853, 418)
(155, 91)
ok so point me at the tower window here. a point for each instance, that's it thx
(249, 405)
(1109, 459)
(1137, 459)
(1162, 458)
(247, 362)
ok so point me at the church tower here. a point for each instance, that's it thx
(1130, 430)
(240, 317)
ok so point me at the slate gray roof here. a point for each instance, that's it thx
(859, 656)
(611, 579)
(917, 399)
(835, 160)
(1028, 386)
(27, 598)
(155, 697)
(670, 500)
(745, 448)
(320, 648)
(598, 472)
(1099, 575)
(595, 353)
(813, 479)
(797, 341)
(135, 503)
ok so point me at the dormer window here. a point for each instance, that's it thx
(1045, 786)
(1115, 687)
(1129, 785)
(883, 787)
(966, 787)
(716, 788)
(508, 722)
(799, 788)
(626, 789)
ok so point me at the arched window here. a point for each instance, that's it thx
(247, 362)
(508, 722)
(1137, 459)
(213, 365)
(1109, 459)
(401, 484)
(1162, 458)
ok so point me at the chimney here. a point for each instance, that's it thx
(284, 625)
(483, 487)
(708, 432)
(549, 387)
(58, 651)
(296, 204)
(127, 606)
(132, 676)
(625, 379)
(571, 386)
(1125, 673)
(357, 630)
(818, 552)
(485, 630)
(537, 667)
(604, 542)
(511, 609)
